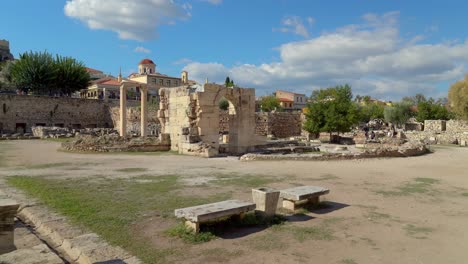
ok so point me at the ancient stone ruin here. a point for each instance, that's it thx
(191, 118)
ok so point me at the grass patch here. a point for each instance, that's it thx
(130, 170)
(373, 216)
(348, 261)
(187, 234)
(417, 231)
(327, 176)
(48, 165)
(219, 255)
(246, 180)
(419, 186)
(465, 194)
(302, 234)
(110, 207)
(267, 242)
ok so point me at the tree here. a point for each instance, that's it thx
(40, 73)
(35, 72)
(227, 82)
(399, 113)
(70, 75)
(269, 103)
(6, 82)
(429, 110)
(331, 110)
(414, 100)
(223, 104)
(371, 111)
(458, 98)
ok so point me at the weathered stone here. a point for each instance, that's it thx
(213, 211)
(39, 254)
(266, 200)
(302, 195)
(8, 209)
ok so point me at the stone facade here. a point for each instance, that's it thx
(19, 113)
(434, 125)
(457, 126)
(5, 53)
(279, 124)
(134, 120)
(192, 119)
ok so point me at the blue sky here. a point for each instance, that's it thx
(386, 49)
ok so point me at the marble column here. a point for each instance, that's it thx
(123, 111)
(144, 110)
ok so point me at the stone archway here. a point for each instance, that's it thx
(192, 119)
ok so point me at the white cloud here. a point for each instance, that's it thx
(295, 25)
(213, 2)
(130, 19)
(182, 61)
(142, 50)
(373, 57)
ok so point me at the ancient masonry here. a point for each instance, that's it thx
(5, 53)
(442, 132)
(192, 119)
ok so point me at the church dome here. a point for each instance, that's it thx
(146, 61)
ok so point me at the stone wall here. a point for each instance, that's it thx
(434, 125)
(18, 113)
(457, 126)
(443, 137)
(279, 124)
(134, 120)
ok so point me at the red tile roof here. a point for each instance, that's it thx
(91, 70)
(146, 61)
(111, 82)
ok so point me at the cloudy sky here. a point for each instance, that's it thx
(386, 49)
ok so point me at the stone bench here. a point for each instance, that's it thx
(302, 195)
(197, 215)
(8, 209)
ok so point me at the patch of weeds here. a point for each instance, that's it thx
(348, 261)
(267, 242)
(326, 176)
(427, 180)
(252, 219)
(48, 165)
(332, 220)
(312, 233)
(187, 234)
(465, 194)
(129, 170)
(419, 186)
(374, 216)
(246, 180)
(218, 255)
(418, 231)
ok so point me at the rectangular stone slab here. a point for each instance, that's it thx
(213, 211)
(303, 192)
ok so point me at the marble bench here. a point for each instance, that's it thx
(302, 195)
(196, 215)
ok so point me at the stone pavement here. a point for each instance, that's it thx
(29, 248)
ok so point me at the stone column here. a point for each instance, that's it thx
(123, 111)
(8, 209)
(144, 110)
(104, 95)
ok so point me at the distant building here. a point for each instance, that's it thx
(291, 101)
(95, 74)
(5, 53)
(107, 86)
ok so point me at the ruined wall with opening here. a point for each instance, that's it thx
(442, 132)
(192, 118)
(134, 120)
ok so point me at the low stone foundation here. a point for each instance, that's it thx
(114, 143)
(63, 132)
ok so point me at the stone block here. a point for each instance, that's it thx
(8, 209)
(266, 200)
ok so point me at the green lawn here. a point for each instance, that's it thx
(110, 207)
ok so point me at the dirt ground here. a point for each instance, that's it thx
(398, 210)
